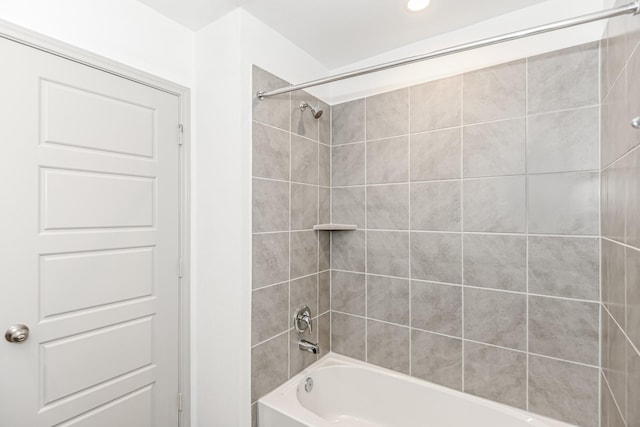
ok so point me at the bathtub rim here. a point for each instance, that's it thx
(282, 395)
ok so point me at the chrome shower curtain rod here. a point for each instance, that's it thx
(631, 8)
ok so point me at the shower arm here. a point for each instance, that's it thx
(628, 9)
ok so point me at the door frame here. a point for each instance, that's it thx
(55, 47)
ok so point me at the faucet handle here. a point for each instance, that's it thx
(302, 320)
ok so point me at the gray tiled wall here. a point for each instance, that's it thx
(476, 260)
(291, 193)
(620, 163)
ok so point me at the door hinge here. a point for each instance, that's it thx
(180, 133)
(179, 402)
(180, 269)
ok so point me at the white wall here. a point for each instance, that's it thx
(539, 14)
(226, 51)
(123, 30)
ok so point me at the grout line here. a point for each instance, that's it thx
(462, 281)
(267, 125)
(358, 316)
(409, 222)
(600, 78)
(270, 339)
(608, 239)
(471, 178)
(470, 286)
(366, 247)
(331, 234)
(463, 125)
(318, 242)
(526, 222)
(613, 398)
(290, 213)
(624, 333)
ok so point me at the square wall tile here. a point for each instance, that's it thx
(324, 123)
(347, 122)
(632, 32)
(324, 205)
(347, 165)
(348, 292)
(270, 259)
(436, 104)
(604, 70)
(495, 261)
(302, 122)
(388, 160)
(613, 201)
(495, 93)
(606, 402)
(494, 149)
(496, 317)
(348, 206)
(564, 203)
(304, 253)
(348, 251)
(632, 324)
(436, 358)
(304, 206)
(436, 257)
(388, 299)
(388, 207)
(632, 166)
(324, 165)
(348, 335)
(633, 386)
(269, 366)
(274, 111)
(324, 292)
(495, 204)
(566, 141)
(303, 291)
(298, 359)
(568, 78)
(565, 267)
(613, 50)
(269, 312)
(388, 253)
(388, 346)
(387, 114)
(615, 131)
(563, 391)
(495, 373)
(304, 160)
(270, 206)
(564, 329)
(324, 334)
(616, 369)
(633, 89)
(270, 152)
(436, 206)
(436, 307)
(436, 155)
(324, 250)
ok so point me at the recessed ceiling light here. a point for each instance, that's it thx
(417, 5)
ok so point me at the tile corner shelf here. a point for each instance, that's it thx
(334, 227)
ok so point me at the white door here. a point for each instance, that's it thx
(89, 245)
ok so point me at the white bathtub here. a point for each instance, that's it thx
(351, 393)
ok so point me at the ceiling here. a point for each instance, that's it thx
(341, 32)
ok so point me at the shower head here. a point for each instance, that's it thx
(316, 113)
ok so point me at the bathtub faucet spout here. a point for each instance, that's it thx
(308, 346)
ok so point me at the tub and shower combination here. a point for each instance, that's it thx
(340, 391)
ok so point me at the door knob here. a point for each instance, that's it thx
(17, 333)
